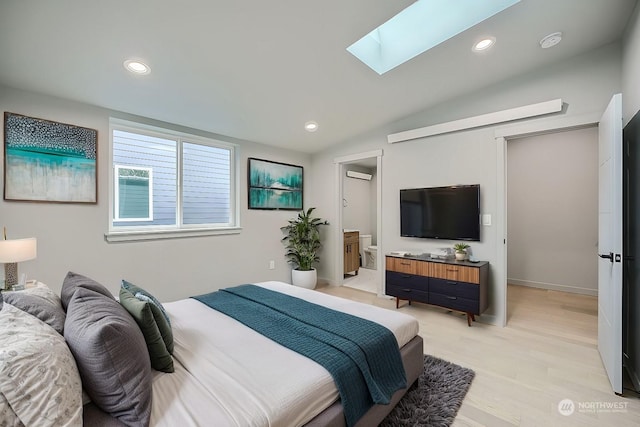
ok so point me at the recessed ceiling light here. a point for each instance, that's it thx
(137, 67)
(311, 126)
(484, 44)
(550, 40)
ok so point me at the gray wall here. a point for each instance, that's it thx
(71, 236)
(552, 208)
(585, 83)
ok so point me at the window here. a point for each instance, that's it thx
(133, 196)
(167, 184)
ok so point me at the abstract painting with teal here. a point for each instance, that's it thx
(274, 185)
(49, 161)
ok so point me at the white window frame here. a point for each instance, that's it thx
(116, 193)
(120, 234)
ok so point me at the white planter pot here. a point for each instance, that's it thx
(461, 256)
(304, 279)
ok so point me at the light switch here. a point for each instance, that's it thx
(486, 219)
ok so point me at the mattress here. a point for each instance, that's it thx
(229, 375)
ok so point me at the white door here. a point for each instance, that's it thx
(610, 242)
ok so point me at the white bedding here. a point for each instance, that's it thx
(228, 375)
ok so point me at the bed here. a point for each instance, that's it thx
(224, 373)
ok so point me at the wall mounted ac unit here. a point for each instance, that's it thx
(359, 175)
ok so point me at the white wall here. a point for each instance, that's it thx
(552, 205)
(357, 195)
(71, 236)
(585, 83)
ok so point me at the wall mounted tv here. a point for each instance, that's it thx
(451, 213)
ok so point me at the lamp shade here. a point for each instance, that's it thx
(18, 250)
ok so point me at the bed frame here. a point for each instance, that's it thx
(412, 359)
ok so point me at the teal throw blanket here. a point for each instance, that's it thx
(362, 356)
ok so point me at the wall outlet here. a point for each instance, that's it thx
(272, 265)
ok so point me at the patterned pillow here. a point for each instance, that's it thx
(8, 417)
(39, 378)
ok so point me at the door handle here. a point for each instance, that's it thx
(605, 256)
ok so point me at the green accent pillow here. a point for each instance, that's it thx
(142, 313)
(135, 290)
(159, 314)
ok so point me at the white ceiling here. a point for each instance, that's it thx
(258, 70)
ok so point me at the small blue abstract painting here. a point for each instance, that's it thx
(49, 161)
(274, 185)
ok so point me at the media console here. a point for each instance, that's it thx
(456, 285)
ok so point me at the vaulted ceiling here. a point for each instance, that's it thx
(258, 70)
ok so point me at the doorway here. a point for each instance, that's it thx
(552, 211)
(359, 210)
(502, 135)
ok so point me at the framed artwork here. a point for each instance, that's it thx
(47, 161)
(275, 186)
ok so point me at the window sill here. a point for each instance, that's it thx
(134, 236)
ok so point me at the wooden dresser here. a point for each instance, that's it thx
(456, 285)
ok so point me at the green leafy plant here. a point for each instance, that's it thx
(460, 247)
(302, 240)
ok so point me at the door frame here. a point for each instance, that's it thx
(339, 170)
(502, 135)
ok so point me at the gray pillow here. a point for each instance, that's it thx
(111, 354)
(42, 308)
(74, 281)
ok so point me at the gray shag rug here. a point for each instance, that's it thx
(436, 398)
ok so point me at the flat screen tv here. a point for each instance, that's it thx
(451, 213)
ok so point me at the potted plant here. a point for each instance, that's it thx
(302, 241)
(461, 251)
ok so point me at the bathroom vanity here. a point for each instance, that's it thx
(351, 251)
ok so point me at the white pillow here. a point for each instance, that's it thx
(38, 374)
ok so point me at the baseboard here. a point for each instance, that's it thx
(553, 287)
(325, 281)
(489, 319)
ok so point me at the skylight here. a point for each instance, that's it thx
(419, 27)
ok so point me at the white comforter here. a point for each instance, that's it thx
(228, 375)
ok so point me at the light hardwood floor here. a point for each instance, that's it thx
(545, 354)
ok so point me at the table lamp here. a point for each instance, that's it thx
(11, 253)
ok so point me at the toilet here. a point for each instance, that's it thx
(368, 252)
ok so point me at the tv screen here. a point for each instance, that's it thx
(441, 212)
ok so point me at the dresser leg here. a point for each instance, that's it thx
(469, 316)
